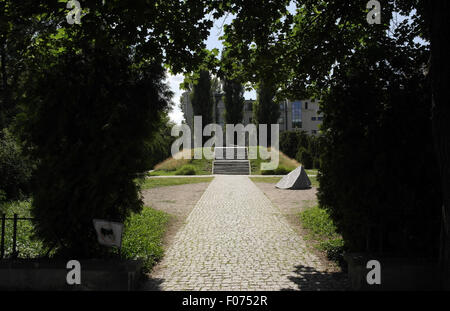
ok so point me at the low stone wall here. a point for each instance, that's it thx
(396, 273)
(45, 274)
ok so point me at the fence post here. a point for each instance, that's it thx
(2, 242)
(14, 236)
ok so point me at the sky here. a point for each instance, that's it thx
(212, 42)
(174, 80)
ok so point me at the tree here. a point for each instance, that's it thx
(334, 28)
(370, 83)
(16, 34)
(15, 169)
(201, 97)
(250, 53)
(159, 144)
(267, 110)
(234, 101)
(93, 100)
(438, 19)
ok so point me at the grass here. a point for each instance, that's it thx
(142, 237)
(173, 181)
(285, 163)
(172, 167)
(312, 171)
(269, 180)
(314, 182)
(322, 232)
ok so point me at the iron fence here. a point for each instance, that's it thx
(14, 219)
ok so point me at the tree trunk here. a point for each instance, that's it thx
(440, 71)
(4, 96)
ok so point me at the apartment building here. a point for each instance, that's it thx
(294, 115)
(302, 115)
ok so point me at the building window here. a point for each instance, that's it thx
(314, 131)
(313, 118)
(297, 114)
(306, 105)
(319, 118)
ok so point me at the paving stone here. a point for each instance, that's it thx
(235, 239)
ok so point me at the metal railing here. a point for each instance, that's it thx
(14, 219)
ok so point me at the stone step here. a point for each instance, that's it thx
(221, 153)
(231, 167)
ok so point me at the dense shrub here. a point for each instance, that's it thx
(305, 158)
(186, 170)
(91, 145)
(379, 178)
(294, 143)
(142, 237)
(280, 170)
(26, 245)
(15, 168)
(316, 163)
(289, 141)
(158, 146)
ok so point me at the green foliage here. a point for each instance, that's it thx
(92, 99)
(280, 170)
(90, 144)
(249, 50)
(323, 231)
(234, 101)
(27, 246)
(334, 248)
(142, 237)
(290, 141)
(158, 146)
(267, 110)
(15, 168)
(371, 180)
(170, 166)
(201, 97)
(186, 170)
(301, 146)
(318, 221)
(305, 158)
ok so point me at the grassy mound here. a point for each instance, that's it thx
(172, 166)
(285, 163)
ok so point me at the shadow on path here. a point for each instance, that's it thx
(308, 278)
(150, 284)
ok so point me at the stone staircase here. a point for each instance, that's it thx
(234, 163)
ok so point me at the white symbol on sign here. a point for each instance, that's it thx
(76, 11)
(374, 16)
(108, 233)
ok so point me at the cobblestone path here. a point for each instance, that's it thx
(235, 239)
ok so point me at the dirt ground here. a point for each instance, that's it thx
(178, 201)
(291, 203)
